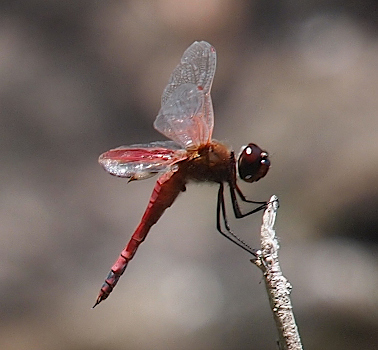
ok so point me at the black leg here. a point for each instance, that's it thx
(229, 235)
(235, 204)
(242, 197)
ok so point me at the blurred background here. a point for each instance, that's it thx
(77, 78)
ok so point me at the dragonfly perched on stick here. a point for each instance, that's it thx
(186, 117)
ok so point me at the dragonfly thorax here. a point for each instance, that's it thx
(209, 162)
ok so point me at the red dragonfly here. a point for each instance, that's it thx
(186, 117)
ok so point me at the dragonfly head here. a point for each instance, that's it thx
(253, 163)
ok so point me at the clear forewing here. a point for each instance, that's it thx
(186, 115)
(141, 161)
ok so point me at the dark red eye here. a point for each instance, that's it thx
(253, 163)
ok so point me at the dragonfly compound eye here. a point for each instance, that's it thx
(253, 163)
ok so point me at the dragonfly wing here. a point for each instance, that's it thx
(141, 161)
(186, 115)
(197, 66)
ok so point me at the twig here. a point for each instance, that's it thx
(278, 287)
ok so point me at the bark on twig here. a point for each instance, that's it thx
(278, 287)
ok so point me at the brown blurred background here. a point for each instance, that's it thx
(80, 77)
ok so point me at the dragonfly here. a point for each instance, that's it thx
(186, 117)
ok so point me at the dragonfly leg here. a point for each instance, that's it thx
(235, 205)
(243, 198)
(221, 211)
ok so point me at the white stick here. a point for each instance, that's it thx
(277, 285)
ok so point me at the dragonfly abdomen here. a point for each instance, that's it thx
(166, 190)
